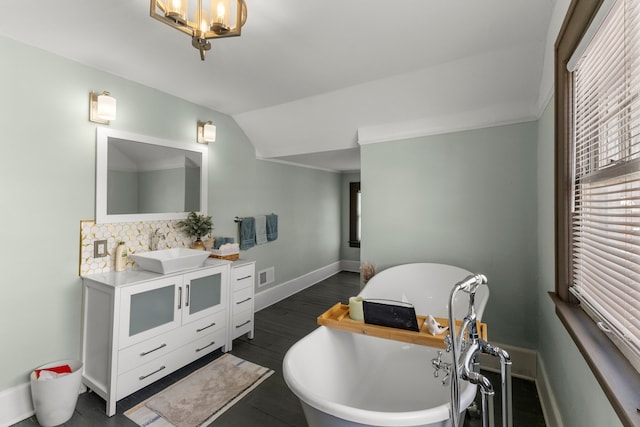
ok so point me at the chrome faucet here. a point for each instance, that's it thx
(466, 348)
(156, 236)
(439, 365)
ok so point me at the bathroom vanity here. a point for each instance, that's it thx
(139, 326)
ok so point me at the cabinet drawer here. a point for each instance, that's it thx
(242, 299)
(145, 374)
(204, 345)
(241, 321)
(242, 277)
(147, 351)
(199, 328)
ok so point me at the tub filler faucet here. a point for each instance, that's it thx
(466, 348)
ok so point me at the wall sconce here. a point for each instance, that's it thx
(102, 108)
(206, 132)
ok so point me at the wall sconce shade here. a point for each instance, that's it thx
(102, 108)
(206, 132)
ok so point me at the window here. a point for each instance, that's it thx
(606, 194)
(597, 99)
(354, 214)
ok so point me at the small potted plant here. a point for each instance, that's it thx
(196, 226)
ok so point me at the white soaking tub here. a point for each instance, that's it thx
(351, 380)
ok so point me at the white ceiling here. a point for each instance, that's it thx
(310, 78)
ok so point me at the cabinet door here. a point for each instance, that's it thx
(205, 292)
(150, 309)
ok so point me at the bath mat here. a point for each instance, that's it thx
(198, 399)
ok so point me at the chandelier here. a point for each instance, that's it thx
(215, 19)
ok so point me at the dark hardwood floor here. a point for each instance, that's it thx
(272, 404)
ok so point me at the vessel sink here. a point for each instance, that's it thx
(170, 260)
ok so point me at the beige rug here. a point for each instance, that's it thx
(200, 398)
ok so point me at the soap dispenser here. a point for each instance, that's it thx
(121, 257)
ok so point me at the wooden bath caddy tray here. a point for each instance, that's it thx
(337, 317)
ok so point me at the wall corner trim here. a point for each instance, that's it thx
(350, 266)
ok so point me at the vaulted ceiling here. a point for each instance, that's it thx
(310, 80)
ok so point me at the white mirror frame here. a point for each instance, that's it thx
(102, 140)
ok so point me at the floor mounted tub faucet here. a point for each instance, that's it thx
(466, 348)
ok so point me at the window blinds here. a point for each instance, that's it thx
(606, 131)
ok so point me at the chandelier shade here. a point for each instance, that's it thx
(203, 20)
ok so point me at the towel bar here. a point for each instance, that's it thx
(239, 219)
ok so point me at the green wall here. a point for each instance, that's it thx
(578, 395)
(467, 199)
(483, 200)
(47, 182)
(308, 200)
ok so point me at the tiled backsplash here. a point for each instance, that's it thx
(137, 238)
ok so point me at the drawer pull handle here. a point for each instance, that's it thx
(186, 304)
(245, 323)
(243, 301)
(154, 372)
(208, 345)
(245, 277)
(206, 327)
(144, 353)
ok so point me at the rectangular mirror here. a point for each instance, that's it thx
(142, 178)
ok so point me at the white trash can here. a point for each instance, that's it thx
(54, 400)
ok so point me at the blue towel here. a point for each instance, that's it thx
(272, 227)
(247, 233)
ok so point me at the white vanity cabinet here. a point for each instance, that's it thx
(241, 304)
(139, 326)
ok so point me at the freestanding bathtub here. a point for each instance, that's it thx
(352, 380)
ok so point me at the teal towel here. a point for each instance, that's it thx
(247, 233)
(272, 227)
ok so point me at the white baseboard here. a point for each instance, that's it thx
(523, 361)
(279, 292)
(548, 400)
(15, 404)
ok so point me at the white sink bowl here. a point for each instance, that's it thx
(170, 260)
